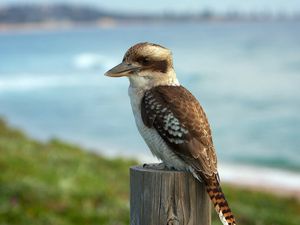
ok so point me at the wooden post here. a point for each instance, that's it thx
(164, 197)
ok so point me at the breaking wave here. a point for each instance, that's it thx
(88, 61)
(27, 82)
(84, 66)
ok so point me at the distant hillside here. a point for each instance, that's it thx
(39, 14)
(18, 14)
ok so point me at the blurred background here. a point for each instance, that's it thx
(240, 59)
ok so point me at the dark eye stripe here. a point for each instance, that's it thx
(161, 66)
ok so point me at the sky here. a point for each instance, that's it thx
(273, 6)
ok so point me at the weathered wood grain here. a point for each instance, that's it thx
(164, 197)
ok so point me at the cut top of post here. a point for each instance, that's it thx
(160, 197)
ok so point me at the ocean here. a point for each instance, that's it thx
(246, 76)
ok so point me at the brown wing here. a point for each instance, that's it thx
(180, 120)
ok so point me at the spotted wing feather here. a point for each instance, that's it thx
(180, 120)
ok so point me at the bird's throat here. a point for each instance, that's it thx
(146, 82)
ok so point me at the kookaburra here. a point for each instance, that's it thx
(170, 119)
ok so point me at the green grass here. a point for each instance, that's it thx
(61, 184)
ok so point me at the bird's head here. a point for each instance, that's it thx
(146, 65)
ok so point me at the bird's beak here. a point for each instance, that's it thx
(123, 69)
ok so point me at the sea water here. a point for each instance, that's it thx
(246, 76)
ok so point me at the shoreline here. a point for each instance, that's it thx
(108, 23)
(277, 181)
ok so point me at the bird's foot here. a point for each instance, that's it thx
(155, 166)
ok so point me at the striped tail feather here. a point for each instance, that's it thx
(217, 196)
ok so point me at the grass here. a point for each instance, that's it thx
(61, 184)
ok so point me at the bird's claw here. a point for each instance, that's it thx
(155, 166)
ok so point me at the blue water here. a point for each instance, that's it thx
(246, 76)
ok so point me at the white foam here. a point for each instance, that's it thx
(89, 60)
(260, 176)
(25, 82)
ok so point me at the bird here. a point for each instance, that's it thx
(170, 119)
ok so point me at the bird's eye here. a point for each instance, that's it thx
(144, 60)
